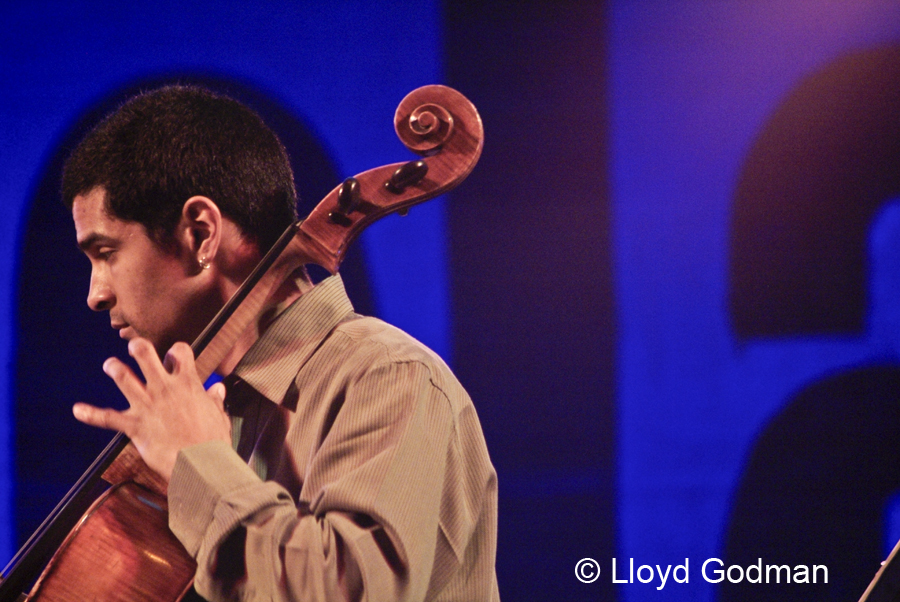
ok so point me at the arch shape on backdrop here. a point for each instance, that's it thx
(822, 472)
(824, 164)
(62, 344)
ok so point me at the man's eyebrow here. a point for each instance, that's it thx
(92, 240)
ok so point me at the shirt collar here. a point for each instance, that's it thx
(287, 344)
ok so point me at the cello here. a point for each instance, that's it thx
(108, 539)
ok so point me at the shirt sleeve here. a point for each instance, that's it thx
(367, 522)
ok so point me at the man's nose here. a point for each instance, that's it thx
(100, 296)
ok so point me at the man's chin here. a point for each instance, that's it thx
(128, 333)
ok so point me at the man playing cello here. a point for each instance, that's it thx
(350, 463)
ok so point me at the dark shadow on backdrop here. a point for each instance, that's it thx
(62, 344)
(822, 167)
(820, 475)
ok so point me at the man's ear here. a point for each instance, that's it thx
(201, 226)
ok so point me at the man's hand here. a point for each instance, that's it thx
(171, 412)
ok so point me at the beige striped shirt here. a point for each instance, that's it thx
(370, 477)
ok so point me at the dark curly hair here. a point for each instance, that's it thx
(164, 146)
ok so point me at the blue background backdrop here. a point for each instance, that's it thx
(628, 284)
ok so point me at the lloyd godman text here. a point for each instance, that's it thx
(713, 571)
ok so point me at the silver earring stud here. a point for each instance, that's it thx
(204, 263)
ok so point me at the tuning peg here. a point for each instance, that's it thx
(347, 201)
(407, 175)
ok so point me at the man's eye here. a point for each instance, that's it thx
(105, 253)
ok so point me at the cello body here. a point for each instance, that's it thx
(124, 534)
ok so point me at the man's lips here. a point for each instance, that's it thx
(122, 327)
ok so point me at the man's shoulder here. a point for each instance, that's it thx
(375, 344)
(364, 334)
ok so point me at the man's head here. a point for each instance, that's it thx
(163, 147)
(174, 197)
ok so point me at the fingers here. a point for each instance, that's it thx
(99, 417)
(127, 381)
(168, 413)
(178, 357)
(146, 357)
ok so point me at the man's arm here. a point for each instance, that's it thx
(367, 523)
(373, 518)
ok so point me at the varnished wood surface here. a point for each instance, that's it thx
(121, 551)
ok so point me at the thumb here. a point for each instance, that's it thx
(218, 394)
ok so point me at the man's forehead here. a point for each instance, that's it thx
(89, 204)
(93, 222)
